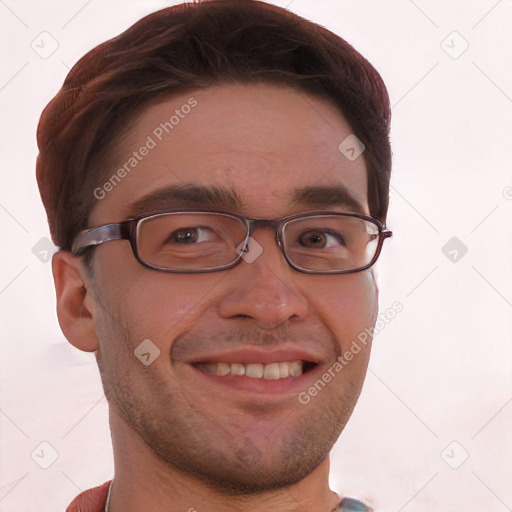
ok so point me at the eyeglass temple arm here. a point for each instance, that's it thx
(96, 236)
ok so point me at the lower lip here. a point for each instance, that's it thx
(288, 386)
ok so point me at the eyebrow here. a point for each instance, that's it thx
(214, 197)
(327, 196)
(186, 196)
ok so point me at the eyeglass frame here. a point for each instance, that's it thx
(127, 230)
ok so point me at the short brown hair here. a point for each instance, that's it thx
(196, 46)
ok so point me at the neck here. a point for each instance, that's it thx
(144, 482)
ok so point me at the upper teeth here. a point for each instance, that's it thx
(272, 371)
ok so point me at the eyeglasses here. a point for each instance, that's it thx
(193, 241)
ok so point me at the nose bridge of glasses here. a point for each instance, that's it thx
(271, 224)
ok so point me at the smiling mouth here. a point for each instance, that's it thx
(270, 371)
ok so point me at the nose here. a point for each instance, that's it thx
(265, 288)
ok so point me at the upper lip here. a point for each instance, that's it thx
(258, 355)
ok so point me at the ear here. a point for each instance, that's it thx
(74, 301)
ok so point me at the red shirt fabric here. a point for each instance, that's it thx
(92, 500)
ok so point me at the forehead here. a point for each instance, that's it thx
(264, 147)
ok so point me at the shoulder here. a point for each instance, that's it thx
(92, 500)
(354, 505)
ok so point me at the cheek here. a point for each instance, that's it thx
(347, 307)
(160, 306)
(146, 303)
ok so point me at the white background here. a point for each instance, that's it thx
(440, 372)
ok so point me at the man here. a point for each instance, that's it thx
(216, 178)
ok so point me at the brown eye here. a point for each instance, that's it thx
(320, 239)
(193, 235)
(184, 236)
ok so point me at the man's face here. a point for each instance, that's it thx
(262, 143)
